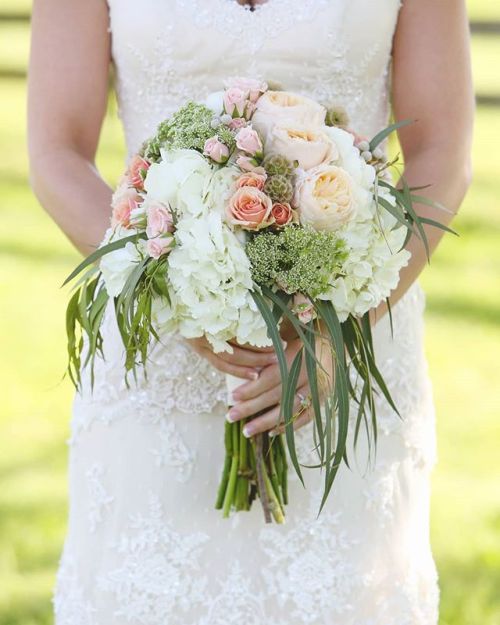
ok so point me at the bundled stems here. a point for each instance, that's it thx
(253, 467)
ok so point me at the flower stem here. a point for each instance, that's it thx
(233, 474)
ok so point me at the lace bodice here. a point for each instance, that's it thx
(184, 49)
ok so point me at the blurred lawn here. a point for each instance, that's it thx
(463, 339)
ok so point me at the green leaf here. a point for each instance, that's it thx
(274, 335)
(436, 224)
(312, 376)
(288, 403)
(397, 214)
(105, 249)
(383, 134)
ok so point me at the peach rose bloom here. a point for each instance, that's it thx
(123, 204)
(282, 213)
(249, 208)
(137, 165)
(252, 179)
(325, 198)
(308, 146)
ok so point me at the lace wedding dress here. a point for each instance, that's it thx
(145, 545)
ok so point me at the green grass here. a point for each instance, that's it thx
(463, 339)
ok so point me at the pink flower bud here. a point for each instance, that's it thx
(249, 141)
(159, 246)
(216, 150)
(159, 221)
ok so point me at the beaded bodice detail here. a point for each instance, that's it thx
(184, 49)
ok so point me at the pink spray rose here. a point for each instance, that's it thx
(303, 308)
(123, 204)
(245, 163)
(235, 102)
(252, 179)
(159, 221)
(282, 213)
(135, 175)
(237, 123)
(254, 88)
(159, 246)
(250, 208)
(249, 141)
(216, 150)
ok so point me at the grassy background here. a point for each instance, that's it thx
(463, 332)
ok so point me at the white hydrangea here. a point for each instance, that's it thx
(210, 275)
(179, 181)
(373, 238)
(117, 266)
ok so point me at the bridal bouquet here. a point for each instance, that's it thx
(254, 208)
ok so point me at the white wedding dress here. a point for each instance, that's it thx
(145, 545)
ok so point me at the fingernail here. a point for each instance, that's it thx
(253, 375)
(273, 433)
(235, 396)
(285, 344)
(232, 416)
(247, 431)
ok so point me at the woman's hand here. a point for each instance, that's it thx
(245, 362)
(256, 396)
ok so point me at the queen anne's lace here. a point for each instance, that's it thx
(170, 557)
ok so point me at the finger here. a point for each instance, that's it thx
(265, 422)
(244, 409)
(253, 348)
(269, 378)
(247, 357)
(271, 419)
(226, 367)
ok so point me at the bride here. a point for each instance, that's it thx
(144, 544)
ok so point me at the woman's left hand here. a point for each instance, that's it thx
(253, 397)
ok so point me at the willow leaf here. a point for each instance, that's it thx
(383, 134)
(288, 412)
(105, 249)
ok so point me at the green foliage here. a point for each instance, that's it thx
(300, 260)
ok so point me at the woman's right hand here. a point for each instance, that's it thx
(245, 362)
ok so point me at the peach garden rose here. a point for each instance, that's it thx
(250, 208)
(252, 179)
(304, 144)
(325, 197)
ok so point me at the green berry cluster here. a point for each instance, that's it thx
(279, 188)
(280, 171)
